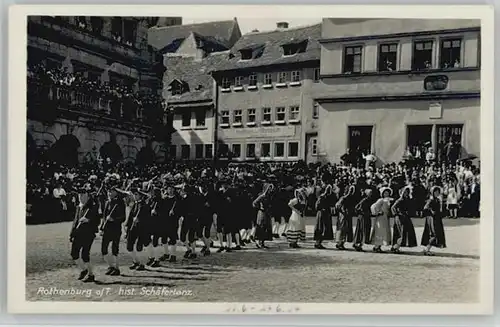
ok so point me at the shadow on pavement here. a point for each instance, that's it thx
(128, 283)
(165, 277)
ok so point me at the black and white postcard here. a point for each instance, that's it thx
(250, 159)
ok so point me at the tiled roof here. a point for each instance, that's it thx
(273, 52)
(161, 37)
(195, 73)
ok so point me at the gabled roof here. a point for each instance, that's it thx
(222, 31)
(273, 51)
(195, 73)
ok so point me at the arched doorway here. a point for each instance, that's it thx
(65, 150)
(146, 155)
(111, 150)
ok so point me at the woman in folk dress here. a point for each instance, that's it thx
(404, 232)
(433, 234)
(381, 232)
(323, 229)
(297, 226)
(346, 211)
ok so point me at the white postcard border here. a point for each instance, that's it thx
(17, 143)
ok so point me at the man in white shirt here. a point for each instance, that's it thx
(370, 160)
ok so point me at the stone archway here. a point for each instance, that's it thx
(146, 155)
(65, 150)
(111, 150)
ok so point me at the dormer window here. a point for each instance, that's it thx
(251, 52)
(178, 87)
(246, 54)
(176, 90)
(294, 47)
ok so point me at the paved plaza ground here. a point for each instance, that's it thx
(278, 274)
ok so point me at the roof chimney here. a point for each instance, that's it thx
(282, 25)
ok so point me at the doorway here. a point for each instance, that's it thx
(360, 139)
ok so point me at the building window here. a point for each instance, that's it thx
(280, 113)
(268, 79)
(176, 89)
(282, 76)
(124, 30)
(200, 118)
(225, 117)
(417, 138)
(172, 151)
(422, 55)
(236, 150)
(129, 31)
(238, 80)
(294, 113)
(294, 48)
(238, 116)
(186, 119)
(208, 151)
(198, 151)
(226, 83)
(315, 110)
(246, 54)
(352, 60)
(266, 114)
(296, 76)
(360, 139)
(252, 80)
(279, 150)
(81, 22)
(293, 149)
(116, 29)
(265, 150)
(223, 150)
(250, 150)
(185, 151)
(314, 146)
(387, 56)
(316, 75)
(450, 53)
(251, 116)
(96, 24)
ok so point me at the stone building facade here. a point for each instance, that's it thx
(111, 50)
(389, 86)
(265, 95)
(190, 53)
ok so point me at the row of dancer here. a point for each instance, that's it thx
(372, 216)
(154, 219)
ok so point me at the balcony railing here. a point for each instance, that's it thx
(85, 101)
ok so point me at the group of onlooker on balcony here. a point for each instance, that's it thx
(76, 90)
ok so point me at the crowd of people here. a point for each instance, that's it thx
(157, 206)
(118, 100)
